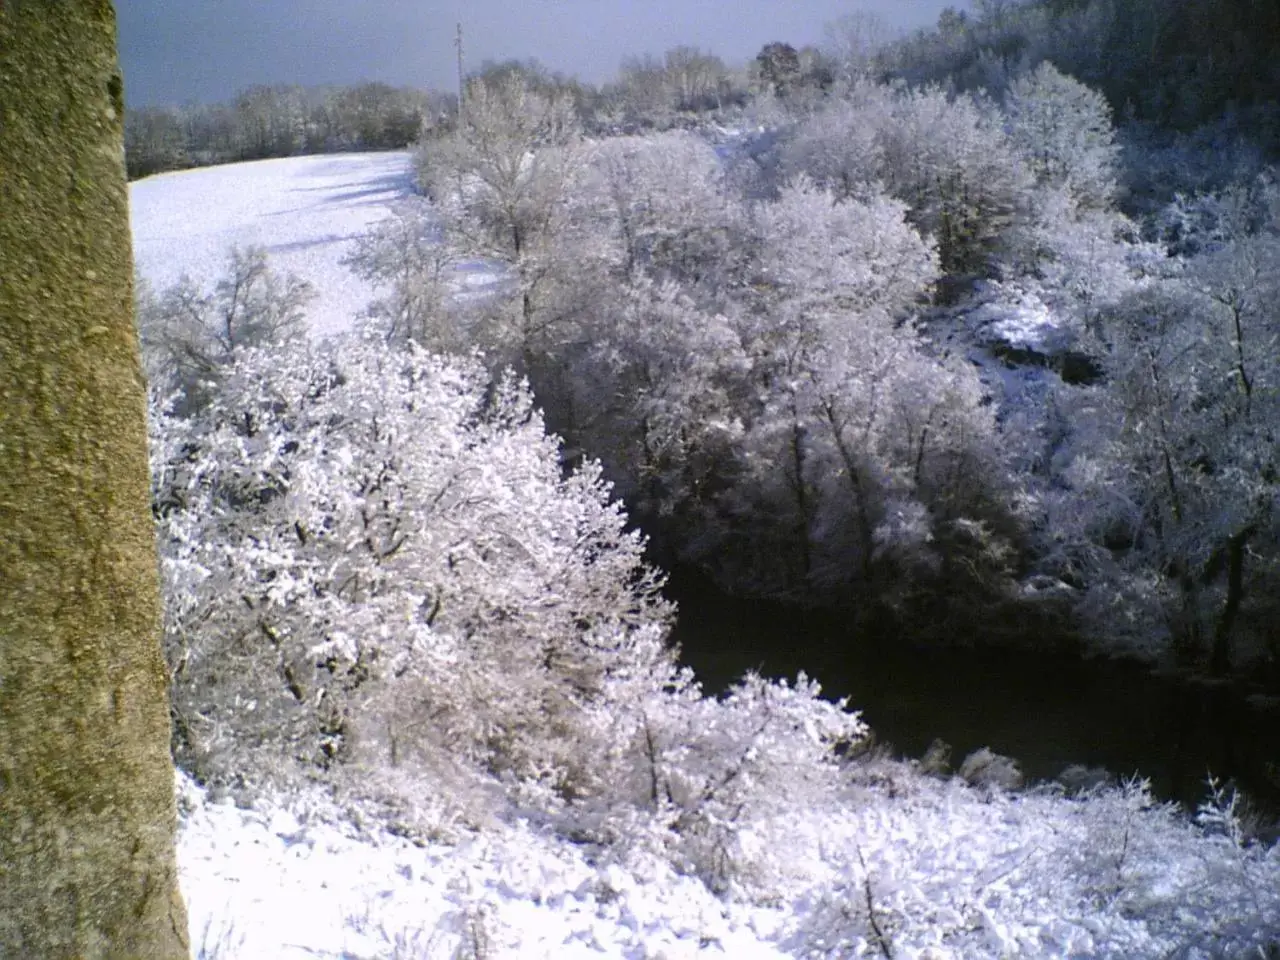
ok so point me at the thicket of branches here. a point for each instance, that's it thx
(773, 356)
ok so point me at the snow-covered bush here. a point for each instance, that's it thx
(897, 863)
(373, 554)
(985, 768)
(937, 873)
(719, 782)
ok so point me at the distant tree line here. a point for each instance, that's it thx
(1164, 65)
(278, 121)
(1173, 63)
(679, 89)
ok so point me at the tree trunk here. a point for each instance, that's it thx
(1220, 658)
(87, 814)
(802, 500)
(857, 486)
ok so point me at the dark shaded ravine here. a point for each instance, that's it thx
(1047, 712)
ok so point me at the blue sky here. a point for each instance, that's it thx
(175, 51)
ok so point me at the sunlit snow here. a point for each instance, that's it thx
(304, 211)
(938, 868)
(950, 872)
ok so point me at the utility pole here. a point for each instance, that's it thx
(461, 90)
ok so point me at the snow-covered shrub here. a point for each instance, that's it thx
(986, 768)
(1079, 780)
(373, 556)
(720, 783)
(941, 871)
(922, 867)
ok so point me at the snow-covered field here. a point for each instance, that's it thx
(904, 866)
(304, 211)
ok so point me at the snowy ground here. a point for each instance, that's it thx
(304, 211)
(948, 872)
(275, 885)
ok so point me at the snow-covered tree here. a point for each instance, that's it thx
(840, 148)
(853, 40)
(827, 256)
(375, 555)
(833, 278)
(1062, 129)
(946, 157)
(663, 384)
(1190, 522)
(951, 162)
(664, 201)
(694, 79)
(268, 121)
(777, 69)
(504, 183)
(405, 257)
(641, 94)
(859, 436)
(1078, 261)
(189, 335)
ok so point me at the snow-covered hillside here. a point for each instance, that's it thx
(305, 212)
(873, 858)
